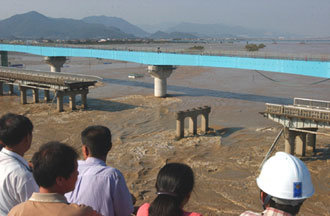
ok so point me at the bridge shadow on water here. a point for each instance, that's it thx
(198, 92)
(108, 105)
(320, 154)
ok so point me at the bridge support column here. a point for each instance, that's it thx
(180, 126)
(35, 93)
(55, 62)
(160, 74)
(205, 119)
(46, 96)
(1, 88)
(289, 137)
(193, 125)
(300, 144)
(4, 58)
(11, 89)
(84, 99)
(72, 101)
(59, 98)
(23, 94)
(311, 140)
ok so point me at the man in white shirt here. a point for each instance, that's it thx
(16, 180)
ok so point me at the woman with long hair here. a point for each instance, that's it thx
(175, 182)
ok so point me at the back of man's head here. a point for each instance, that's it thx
(97, 139)
(54, 159)
(286, 181)
(14, 128)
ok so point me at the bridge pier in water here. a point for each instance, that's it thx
(192, 115)
(160, 74)
(299, 142)
(55, 62)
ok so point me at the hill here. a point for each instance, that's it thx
(33, 25)
(216, 30)
(119, 23)
(172, 35)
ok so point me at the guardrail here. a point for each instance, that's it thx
(298, 112)
(303, 102)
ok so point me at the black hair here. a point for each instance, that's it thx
(175, 182)
(14, 128)
(286, 208)
(97, 139)
(52, 160)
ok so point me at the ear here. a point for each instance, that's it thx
(264, 198)
(85, 151)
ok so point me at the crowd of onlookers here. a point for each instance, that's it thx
(56, 183)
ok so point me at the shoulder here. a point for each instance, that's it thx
(82, 210)
(17, 173)
(191, 214)
(249, 213)
(143, 210)
(18, 209)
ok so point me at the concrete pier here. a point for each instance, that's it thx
(23, 94)
(46, 96)
(160, 74)
(1, 88)
(59, 98)
(299, 142)
(11, 89)
(55, 62)
(4, 58)
(35, 93)
(192, 115)
(311, 140)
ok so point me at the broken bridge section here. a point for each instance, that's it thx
(59, 83)
(301, 122)
(192, 114)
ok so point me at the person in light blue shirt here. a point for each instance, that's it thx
(100, 186)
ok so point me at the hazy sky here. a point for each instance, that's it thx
(309, 17)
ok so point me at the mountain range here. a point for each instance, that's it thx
(33, 25)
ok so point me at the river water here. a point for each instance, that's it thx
(225, 161)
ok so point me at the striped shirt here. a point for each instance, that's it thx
(268, 212)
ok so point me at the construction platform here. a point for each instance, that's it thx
(301, 122)
(60, 83)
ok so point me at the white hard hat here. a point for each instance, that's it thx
(286, 177)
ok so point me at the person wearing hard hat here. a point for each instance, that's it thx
(285, 183)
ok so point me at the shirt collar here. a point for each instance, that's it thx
(273, 210)
(15, 156)
(48, 197)
(93, 160)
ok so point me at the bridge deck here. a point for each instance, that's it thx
(57, 81)
(62, 84)
(291, 111)
(300, 67)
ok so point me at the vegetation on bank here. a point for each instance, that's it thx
(254, 47)
(196, 48)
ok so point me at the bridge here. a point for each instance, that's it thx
(60, 83)
(162, 64)
(301, 121)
